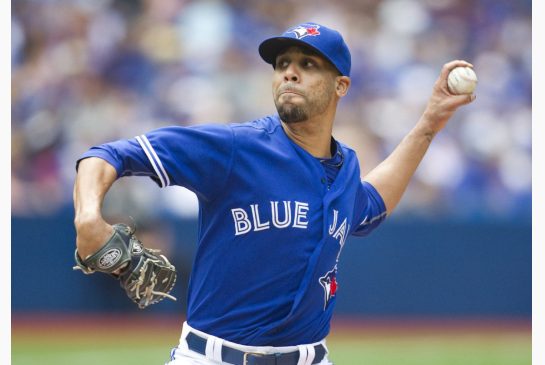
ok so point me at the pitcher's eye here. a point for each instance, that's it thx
(281, 63)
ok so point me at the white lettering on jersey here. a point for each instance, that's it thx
(287, 214)
(242, 223)
(297, 218)
(258, 225)
(340, 232)
(334, 224)
(301, 210)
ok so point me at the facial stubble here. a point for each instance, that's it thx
(290, 112)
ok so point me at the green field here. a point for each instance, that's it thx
(114, 341)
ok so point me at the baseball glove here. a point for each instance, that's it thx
(146, 276)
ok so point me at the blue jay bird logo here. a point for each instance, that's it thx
(305, 30)
(329, 283)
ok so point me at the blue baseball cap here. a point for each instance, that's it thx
(325, 41)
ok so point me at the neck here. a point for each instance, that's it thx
(313, 135)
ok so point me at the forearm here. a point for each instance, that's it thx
(94, 178)
(391, 177)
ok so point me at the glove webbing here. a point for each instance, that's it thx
(149, 292)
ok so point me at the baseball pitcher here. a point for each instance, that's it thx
(278, 198)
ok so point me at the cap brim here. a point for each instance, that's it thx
(270, 48)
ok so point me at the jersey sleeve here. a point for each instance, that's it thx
(198, 158)
(370, 210)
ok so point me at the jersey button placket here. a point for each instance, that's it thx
(323, 180)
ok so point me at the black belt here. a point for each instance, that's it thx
(237, 357)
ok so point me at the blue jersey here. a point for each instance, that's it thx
(270, 228)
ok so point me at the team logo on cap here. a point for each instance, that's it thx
(329, 283)
(303, 31)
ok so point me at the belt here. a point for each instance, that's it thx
(237, 357)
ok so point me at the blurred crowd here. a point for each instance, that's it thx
(87, 72)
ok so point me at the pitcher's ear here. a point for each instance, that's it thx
(343, 84)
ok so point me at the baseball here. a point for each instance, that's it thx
(462, 80)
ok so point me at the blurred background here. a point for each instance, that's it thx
(85, 72)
